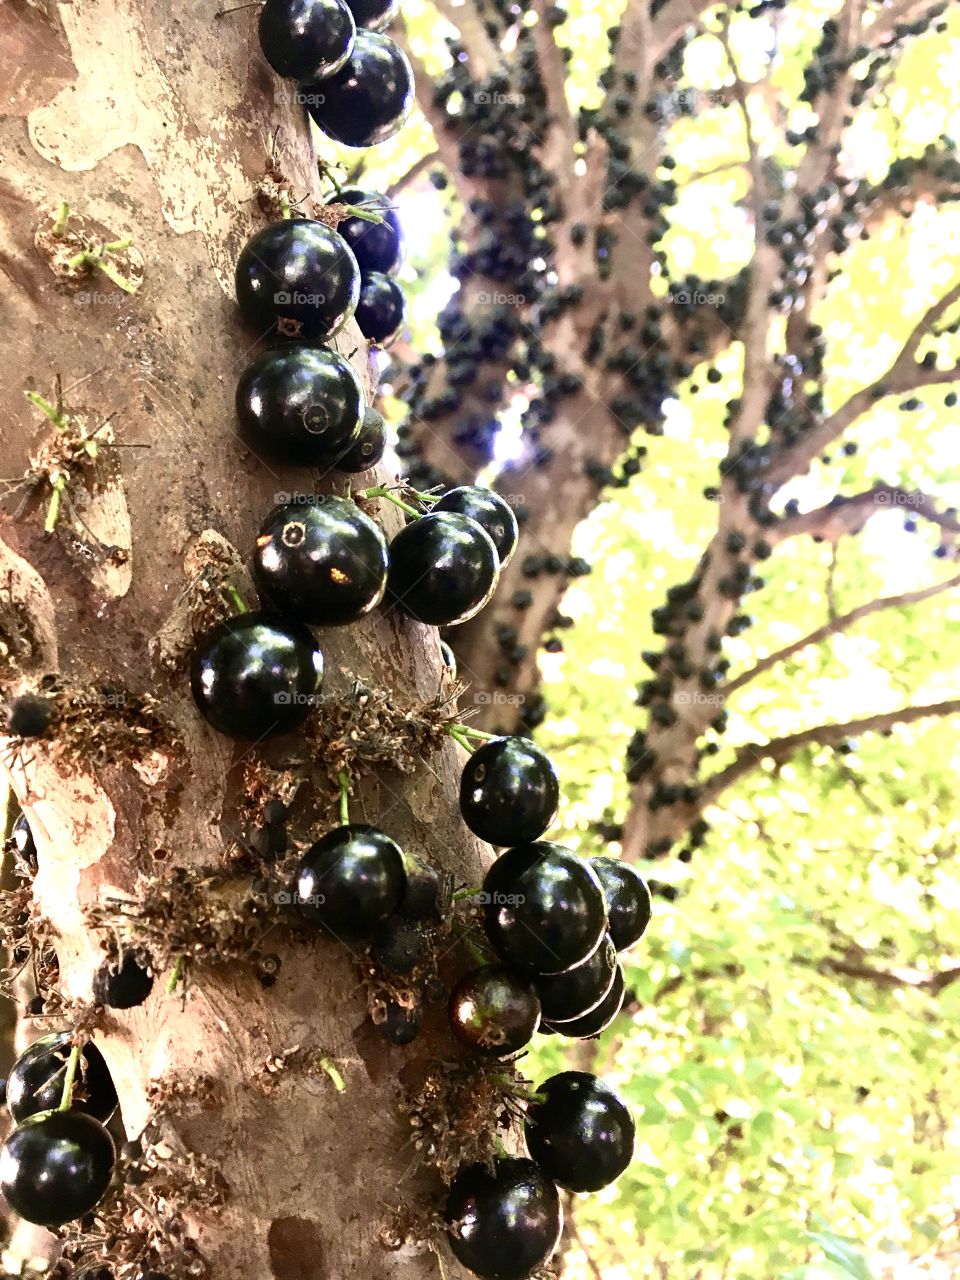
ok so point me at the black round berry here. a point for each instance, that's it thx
(377, 246)
(29, 716)
(449, 659)
(509, 792)
(123, 984)
(443, 569)
(421, 898)
(544, 907)
(35, 1082)
(627, 898)
(350, 881)
(577, 991)
(490, 512)
(300, 405)
(503, 1223)
(398, 946)
(581, 1134)
(598, 1019)
(369, 446)
(23, 845)
(56, 1167)
(380, 306)
(297, 279)
(322, 561)
(401, 1025)
(256, 675)
(374, 14)
(369, 98)
(494, 1010)
(306, 39)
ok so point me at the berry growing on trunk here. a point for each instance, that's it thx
(368, 448)
(300, 405)
(544, 907)
(321, 561)
(598, 1019)
(581, 1134)
(36, 1079)
(56, 1167)
(579, 990)
(377, 246)
(297, 279)
(627, 898)
(494, 1010)
(123, 983)
(256, 675)
(369, 98)
(490, 511)
(380, 306)
(443, 569)
(509, 792)
(504, 1222)
(306, 39)
(350, 881)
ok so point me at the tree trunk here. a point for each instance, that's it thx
(154, 123)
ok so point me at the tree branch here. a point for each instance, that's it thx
(835, 626)
(931, 178)
(904, 374)
(414, 172)
(561, 127)
(481, 49)
(848, 515)
(919, 979)
(749, 757)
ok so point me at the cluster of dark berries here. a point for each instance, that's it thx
(357, 885)
(504, 1220)
(57, 1164)
(378, 249)
(299, 279)
(555, 922)
(299, 282)
(321, 561)
(355, 82)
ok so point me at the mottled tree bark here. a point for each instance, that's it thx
(154, 123)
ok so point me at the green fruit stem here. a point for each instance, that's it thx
(380, 491)
(175, 976)
(61, 220)
(73, 1062)
(338, 1081)
(344, 782)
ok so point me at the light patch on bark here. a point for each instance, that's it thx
(23, 589)
(122, 98)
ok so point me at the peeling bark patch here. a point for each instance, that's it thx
(296, 1250)
(126, 99)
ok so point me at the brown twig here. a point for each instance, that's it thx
(836, 625)
(750, 756)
